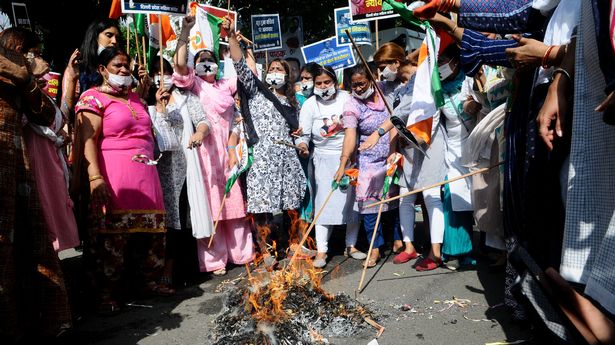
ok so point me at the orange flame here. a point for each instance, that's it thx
(269, 289)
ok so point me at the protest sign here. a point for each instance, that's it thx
(52, 84)
(221, 13)
(360, 31)
(266, 32)
(160, 6)
(327, 53)
(366, 10)
(292, 40)
(20, 15)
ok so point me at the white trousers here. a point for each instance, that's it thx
(433, 202)
(323, 233)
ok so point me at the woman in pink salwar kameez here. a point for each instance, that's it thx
(233, 237)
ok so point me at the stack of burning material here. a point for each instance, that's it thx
(287, 306)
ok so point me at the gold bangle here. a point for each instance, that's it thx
(96, 177)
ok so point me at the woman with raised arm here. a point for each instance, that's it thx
(275, 182)
(233, 238)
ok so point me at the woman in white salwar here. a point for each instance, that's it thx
(321, 118)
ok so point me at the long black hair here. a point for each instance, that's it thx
(89, 52)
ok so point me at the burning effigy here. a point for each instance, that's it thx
(287, 306)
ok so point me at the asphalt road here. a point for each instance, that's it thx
(414, 307)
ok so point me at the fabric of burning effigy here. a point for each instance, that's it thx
(284, 307)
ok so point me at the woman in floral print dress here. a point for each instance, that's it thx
(275, 182)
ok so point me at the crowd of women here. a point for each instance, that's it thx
(144, 184)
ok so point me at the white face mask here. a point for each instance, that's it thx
(119, 81)
(364, 95)
(100, 49)
(307, 87)
(276, 80)
(206, 68)
(388, 75)
(325, 94)
(167, 82)
(445, 71)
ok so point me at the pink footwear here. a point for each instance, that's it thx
(404, 257)
(428, 264)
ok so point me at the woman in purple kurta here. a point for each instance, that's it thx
(363, 114)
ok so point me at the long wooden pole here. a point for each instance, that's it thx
(371, 247)
(375, 83)
(309, 229)
(127, 37)
(479, 171)
(211, 239)
(160, 45)
(377, 36)
(369, 71)
(144, 53)
(137, 47)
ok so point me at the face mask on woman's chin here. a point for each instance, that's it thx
(388, 75)
(121, 82)
(276, 80)
(325, 94)
(365, 95)
(206, 68)
(100, 49)
(445, 71)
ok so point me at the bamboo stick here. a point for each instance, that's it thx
(137, 47)
(480, 171)
(377, 35)
(211, 239)
(371, 246)
(309, 229)
(127, 37)
(144, 53)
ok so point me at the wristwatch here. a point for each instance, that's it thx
(381, 131)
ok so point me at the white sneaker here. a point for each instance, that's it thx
(357, 255)
(320, 263)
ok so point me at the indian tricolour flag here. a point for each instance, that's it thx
(244, 158)
(205, 34)
(427, 95)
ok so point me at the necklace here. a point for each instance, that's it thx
(133, 112)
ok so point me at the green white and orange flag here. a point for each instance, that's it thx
(168, 34)
(244, 159)
(427, 95)
(392, 175)
(205, 34)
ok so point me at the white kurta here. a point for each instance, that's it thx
(458, 127)
(322, 125)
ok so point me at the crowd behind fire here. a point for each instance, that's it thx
(88, 171)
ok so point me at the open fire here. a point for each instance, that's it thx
(287, 306)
